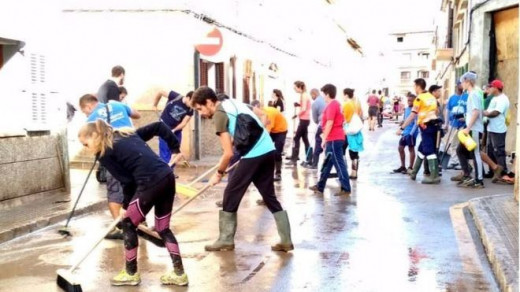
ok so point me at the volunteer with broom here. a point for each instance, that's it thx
(256, 165)
(147, 182)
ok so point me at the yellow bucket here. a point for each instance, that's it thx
(467, 141)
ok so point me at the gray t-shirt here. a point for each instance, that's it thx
(318, 106)
(475, 100)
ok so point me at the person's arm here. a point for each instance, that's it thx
(158, 97)
(161, 130)
(326, 131)
(134, 114)
(494, 111)
(227, 147)
(183, 124)
(491, 114)
(407, 122)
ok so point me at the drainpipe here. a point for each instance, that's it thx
(196, 82)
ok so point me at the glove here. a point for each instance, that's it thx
(296, 104)
(294, 117)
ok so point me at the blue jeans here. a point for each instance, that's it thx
(317, 148)
(335, 148)
(164, 151)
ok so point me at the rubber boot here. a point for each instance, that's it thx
(353, 173)
(434, 172)
(227, 228)
(284, 230)
(416, 167)
(278, 171)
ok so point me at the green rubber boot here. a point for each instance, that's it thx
(227, 228)
(434, 178)
(416, 168)
(284, 230)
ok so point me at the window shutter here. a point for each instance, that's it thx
(203, 73)
(219, 77)
(38, 93)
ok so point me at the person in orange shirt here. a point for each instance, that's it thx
(425, 109)
(276, 124)
(353, 142)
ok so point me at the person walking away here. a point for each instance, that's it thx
(304, 120)
(333, 140)
(276, 124)
(354, 142)
(148, 182)
(408, 138)
(256, 166)
(120, 115)
(176, 115)
(474, 128)
(278, 101)
(497, 127)
(373, 110)
(317, 108)
(110, 89)
(425, 109)
(381, 109)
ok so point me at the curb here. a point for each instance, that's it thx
(42, 222)
(503, 266)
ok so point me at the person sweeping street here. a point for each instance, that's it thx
(236, 125)
(425, 109)
(147, 182)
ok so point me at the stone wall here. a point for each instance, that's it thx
(33, 165)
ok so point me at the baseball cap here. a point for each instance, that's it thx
(469, 76)
(433, 88)
(496, 84)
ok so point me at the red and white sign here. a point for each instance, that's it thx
(211, 44)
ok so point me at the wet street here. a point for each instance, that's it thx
(391, 234)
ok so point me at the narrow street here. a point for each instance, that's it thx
(391, 234)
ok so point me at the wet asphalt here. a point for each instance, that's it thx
(391, 234)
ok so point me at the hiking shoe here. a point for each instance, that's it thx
(472, 183)
(172, 278)
(458, 177)
(342, 193)
(116, 234)
(316, 190)
(401, 169)
(125, 279)
(464, 180)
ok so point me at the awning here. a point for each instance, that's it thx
(11, 42)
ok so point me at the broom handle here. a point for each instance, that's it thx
(81, 192)
(112, 226)
(203, 175)
(205, 188)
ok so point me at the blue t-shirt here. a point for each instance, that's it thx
(175, 110)
(457, 107)
(265, 143)
(500, 104)
(408, 130)
(119, 114)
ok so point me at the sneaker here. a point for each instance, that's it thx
(310, 166)
(466, 182)
(277, 177)
(342, 193)
(316, 190)
(458, 177)
(400, 170)
(125, 279)
(116, 234)
(172, 278)
(472, 183)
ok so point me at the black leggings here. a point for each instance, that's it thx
(302, 132)
(259, 171)
(161, 197)
(353, 155)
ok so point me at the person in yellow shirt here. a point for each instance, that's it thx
(353, 142)
(425, 109)
(276, 124)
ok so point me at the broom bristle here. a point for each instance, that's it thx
(66, 281)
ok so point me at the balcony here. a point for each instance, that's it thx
(444, 54)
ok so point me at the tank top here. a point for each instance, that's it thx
(305, 115)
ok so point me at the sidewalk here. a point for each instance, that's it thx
(496, 218)
(25, 215)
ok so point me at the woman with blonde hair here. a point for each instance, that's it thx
(147, 182)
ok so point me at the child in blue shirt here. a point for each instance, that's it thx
(408, 138)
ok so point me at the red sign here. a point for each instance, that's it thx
(211, 43)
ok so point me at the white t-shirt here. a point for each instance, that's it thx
(500, 104)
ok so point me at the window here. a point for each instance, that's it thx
(424, 56)
(219, 77)
(405, 75)
(423, 74)
(400, 39)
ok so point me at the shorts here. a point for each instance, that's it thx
(408, 141)
(114, 190)
(373, 111)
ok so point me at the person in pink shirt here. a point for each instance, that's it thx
(304, 116)
(333, 140)
(373, 110)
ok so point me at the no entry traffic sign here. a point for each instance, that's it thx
(211, 44)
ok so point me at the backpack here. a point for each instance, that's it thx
(247, 132)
